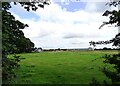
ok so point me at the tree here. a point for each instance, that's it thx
(13, 39)
(114, 59)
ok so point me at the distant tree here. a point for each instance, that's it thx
(114, 59)
(34, 49)
(59, 49)
(39, 49)
(105, 48)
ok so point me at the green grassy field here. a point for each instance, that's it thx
(60, 67)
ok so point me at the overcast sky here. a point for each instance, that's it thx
(66, 24)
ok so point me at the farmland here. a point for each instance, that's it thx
(67, 67)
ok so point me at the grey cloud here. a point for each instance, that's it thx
(68, 36)
(77, 22)
(43, 35)
(76, 35)
(40, 36)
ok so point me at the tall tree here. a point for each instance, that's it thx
(13, 39)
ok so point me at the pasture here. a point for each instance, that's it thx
(77, 67)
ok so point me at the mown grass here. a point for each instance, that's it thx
(77, 67)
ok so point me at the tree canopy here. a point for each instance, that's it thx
(13, 39)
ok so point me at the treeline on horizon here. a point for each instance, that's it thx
(58, 49)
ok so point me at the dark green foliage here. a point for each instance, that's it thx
(94, 82)
(115, 41)
(113, 75)
(114, 3)
(114, 16)
(114, 59)
(8, 67)
(33, 5)
(13, 39)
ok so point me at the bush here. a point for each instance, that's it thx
(8, 67)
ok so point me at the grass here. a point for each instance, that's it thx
(60, 67)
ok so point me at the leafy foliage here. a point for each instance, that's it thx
(13, 39)
(115, 41)
(9, 65)
(114, 75)
(114, 16)
(34, 5)
(94, 82)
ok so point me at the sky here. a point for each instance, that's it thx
(68, 24)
